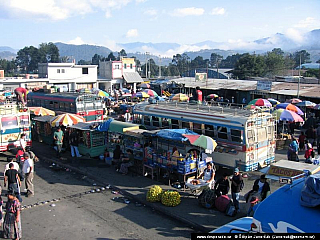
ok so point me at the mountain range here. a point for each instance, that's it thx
(308, 41)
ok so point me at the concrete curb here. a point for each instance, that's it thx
(164, 211)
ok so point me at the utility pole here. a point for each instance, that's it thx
(159, 66)
(149, 69)
(147, 65)
(298, 94)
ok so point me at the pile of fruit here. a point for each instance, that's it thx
(170, 198)
(154, 194)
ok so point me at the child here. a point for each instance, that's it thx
(254, 193)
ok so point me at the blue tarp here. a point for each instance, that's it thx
(310, 194)
(104, 126)
(175, 134)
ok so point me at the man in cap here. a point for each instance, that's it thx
(236, 182)
(264, 187)
(28, 169)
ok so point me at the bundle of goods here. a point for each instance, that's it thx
(154, 194)
(207, 198)
(170, 198)
(195, 181)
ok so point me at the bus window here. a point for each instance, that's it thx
(72, 108)
(8, 122)
(51, 104)
(222, 132)
(146, 120)
(186, 125)
(236, 135)
(56, 105)
(174, 124)
(67, 106)
(262, 134)
(165, 123)
(61, 106)
(251, 137)
(137, 118)
(24, 120)
(209, 130)
(38, 102)
(89, 106)
(197, 128)
(155, 121)
(47, 103)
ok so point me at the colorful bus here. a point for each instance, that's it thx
(88, 106)
(245, 138)
(14, 121)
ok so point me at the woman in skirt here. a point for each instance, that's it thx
(12, 222)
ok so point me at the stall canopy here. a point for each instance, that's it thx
(83, 126)
(175, 134)
(46, 118)
(116, 126)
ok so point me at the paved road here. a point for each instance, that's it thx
(77, 215)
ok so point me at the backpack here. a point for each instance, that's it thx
(231, 210)
(241, 185)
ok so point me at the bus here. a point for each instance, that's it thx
(88, 106)
(14, 121)
(245, 138)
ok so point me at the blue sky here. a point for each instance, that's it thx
(108, 22)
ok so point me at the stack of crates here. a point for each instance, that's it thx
(186, 166)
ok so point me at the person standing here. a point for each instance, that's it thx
(22, 141)
(21, 94)
(302, 138)
(28, 169)
(58, 138)
(12, 177)
(293, 151)
(74, 142)
(222, 186)
(264, 187)
(208, 175)
(12, 221)
(199, 95)
(236, 182)
(127, 162)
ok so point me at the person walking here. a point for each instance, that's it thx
(12, 177)
(74, 142)
(28, 169)
(12, 221)
(251, 198)
(264, 187)
(58, 138)
(222, 185)
(236, 182)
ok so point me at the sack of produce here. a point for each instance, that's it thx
(170, 198)
(154, 194)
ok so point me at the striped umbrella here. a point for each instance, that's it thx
(202, 141)
(141, 95)
(273, 101)
(66, 119)
(317, 107)
(290, 116)
(212, 96)
(41, 111)
(306, 104)
(144, 85)
(150, 92)
(294, 100)
(291, 107)
(179, 97)
(260, 102)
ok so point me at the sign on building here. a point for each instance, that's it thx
(201, 76)
(264, 85)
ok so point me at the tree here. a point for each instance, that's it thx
(215, 59)
(49, 53)
(274, 62)
(122, 53)
(249, 66)
(8, 66)
(96, 59)
(230, 61)
(305, 57)
(83, 62)
(111, 57)
(28, 59)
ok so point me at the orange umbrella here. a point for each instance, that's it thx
(41, 111)
(66, 119)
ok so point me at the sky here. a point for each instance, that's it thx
(109, 22)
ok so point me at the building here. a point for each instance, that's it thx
(117, 74)
(1, 74)
(69, 76)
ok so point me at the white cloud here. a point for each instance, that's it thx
(151, 12)
(132, 33)
(59, 9)
(218, 11)
(77, 41)
(192, 11)
(140, 1)
(294, 35)
(308, 24)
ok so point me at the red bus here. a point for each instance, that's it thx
(88, 106)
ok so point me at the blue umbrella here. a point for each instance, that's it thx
(306, 104)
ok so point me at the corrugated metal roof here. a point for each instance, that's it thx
(132, 77)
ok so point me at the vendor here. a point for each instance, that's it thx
(127, 162)
(208, 175)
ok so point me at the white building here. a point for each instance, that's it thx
(69, 75)
(114, 74)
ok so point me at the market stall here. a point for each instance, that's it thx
(42, 130)
(92, 142)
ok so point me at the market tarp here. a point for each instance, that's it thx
(310, 194)
(175, 134)
(46, 118)
(116, 126)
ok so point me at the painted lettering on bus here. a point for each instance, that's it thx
(278, 171)
(10, 137)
